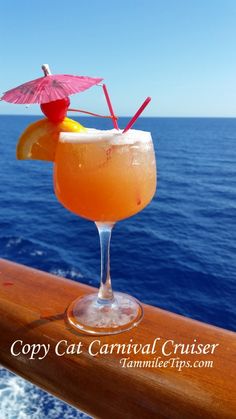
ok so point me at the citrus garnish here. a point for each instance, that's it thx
(39, 140)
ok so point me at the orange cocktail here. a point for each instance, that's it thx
(103, 175)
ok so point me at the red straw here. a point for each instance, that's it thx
(114, 118)
(135, 117)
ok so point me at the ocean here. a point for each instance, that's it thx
(177, 254)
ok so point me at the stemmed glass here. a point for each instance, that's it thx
(105, 176)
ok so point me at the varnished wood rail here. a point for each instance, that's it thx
(32, 307)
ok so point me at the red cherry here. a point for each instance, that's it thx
(56, 111)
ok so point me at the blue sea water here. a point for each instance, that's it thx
(177, 254)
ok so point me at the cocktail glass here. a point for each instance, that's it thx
(105, 176)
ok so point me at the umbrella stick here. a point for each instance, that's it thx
(46, 70)
(89, 113)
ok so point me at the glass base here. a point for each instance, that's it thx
(93, 316)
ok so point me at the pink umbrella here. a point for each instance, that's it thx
(49, 88)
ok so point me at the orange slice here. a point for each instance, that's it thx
(39, 140)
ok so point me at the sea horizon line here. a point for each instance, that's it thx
(130, 116)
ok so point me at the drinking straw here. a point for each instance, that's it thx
(114, 118)
(135, 117)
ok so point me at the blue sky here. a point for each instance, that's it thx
(182, 53)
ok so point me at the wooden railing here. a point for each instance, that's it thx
(32, 307)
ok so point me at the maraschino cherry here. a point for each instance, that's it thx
(56, 110)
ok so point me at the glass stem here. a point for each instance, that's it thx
(105, 294)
